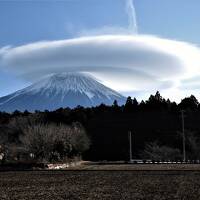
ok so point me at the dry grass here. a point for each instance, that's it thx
(147, 167)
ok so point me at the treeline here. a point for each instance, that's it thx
(156, 126)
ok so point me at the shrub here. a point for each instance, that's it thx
(54, 142)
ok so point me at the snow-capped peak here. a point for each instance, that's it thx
(61, 90)
(62, 83)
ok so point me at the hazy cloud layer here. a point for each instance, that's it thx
(124, 63)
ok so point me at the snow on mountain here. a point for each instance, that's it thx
(60, 90)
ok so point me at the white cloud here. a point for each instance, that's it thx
(116, 30)
(132, 18)
(123, 62)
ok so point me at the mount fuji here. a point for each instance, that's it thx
(60, 90)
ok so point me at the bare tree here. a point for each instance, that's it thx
(156, 152)
(78, 138)
(54, 142)
(193, 143)
(2, 154)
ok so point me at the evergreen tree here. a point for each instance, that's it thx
(190, 103)
(128, 105)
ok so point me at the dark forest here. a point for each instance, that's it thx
(156, 121)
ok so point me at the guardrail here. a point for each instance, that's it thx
(138, 161)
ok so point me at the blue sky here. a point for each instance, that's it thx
(25, 22)
(29, 21)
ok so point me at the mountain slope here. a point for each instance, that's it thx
(60, 90)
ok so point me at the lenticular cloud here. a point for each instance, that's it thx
(140, 62)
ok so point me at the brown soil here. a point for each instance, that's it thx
(102, 185)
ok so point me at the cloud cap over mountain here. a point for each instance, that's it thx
(140, 62)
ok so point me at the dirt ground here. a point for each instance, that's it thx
(121, 182)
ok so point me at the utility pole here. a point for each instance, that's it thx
(130, 145)
(183, 132)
